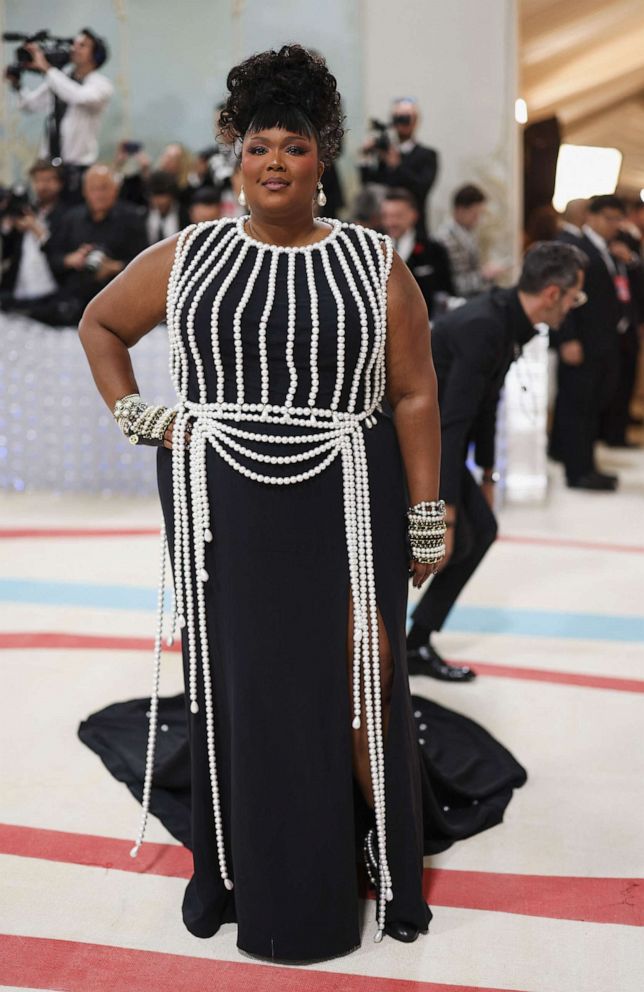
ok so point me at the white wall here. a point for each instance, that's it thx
(459, 59)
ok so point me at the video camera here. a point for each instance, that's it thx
(57, 51)
(14, 201)
(382, 141)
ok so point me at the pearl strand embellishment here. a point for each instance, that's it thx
(154, 703)
(329, 433)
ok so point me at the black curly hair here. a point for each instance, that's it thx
(291, 89)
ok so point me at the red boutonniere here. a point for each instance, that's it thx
(418, 249)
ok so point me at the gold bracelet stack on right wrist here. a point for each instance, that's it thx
(426, 531)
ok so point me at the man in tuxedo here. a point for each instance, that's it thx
(25, 274)
(403, 162)
(426, 259)
(473, 348)
(572, 220)
(166, 214)
(589, 348)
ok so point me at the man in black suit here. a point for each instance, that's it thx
(589, 351)
(94, 243)
(426, 259)
(166, 215)
(616, 417)
(403, 163)
(473, 348)
(25, 275)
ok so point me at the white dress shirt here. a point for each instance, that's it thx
(81, 122)
(405, 243)
(34, 277)
(162, 227)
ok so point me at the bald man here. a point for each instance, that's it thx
(95, 241)
(404, 164)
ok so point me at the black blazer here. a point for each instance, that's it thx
(595, 324)
(417, 172)
(12, 248)
(121, 235)
(473, 348)
(429, 265)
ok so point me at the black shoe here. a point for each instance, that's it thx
(607, 475)
(595, 482)
(427, 661)
(404, 932)
(625, 444)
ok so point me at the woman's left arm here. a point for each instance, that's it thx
(412, 391)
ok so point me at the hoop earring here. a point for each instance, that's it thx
(241, 199)
(320, 199)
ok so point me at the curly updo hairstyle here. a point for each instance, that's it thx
(292, 89)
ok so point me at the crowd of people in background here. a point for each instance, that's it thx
(78, 223)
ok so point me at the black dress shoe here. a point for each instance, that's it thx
(402, 931)
(405, 932)
(606, 475)
(623, 444)
(425, 660)
(594, 482)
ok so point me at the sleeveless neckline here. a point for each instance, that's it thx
(336, 227)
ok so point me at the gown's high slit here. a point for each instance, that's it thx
(277, 600)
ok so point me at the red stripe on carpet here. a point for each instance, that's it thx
(595, 900)
(558, 897)
(78, 967)
(561, 678)
(14, 532)
(170, 860)
(52, 532)
(92, 642)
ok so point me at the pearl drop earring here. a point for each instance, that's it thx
(242, 198)
(321, 196)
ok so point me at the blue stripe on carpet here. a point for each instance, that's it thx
(463, 619)
(545, 623)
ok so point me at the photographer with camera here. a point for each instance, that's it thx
(74, 97)
(94, 242)
(397, 160)
(25, 226)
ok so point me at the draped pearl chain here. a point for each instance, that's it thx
(312, 438)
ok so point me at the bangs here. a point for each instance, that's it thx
(284, 116)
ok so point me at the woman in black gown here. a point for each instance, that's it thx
(284, 489)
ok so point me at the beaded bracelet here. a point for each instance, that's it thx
(140, 422)
(426, 531)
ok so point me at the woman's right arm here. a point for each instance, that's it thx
(128, 308)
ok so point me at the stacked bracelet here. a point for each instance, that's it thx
(140, 422)
(426, 531)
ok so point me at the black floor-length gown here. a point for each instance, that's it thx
(277, 605)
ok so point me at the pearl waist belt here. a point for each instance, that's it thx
(311, 441)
